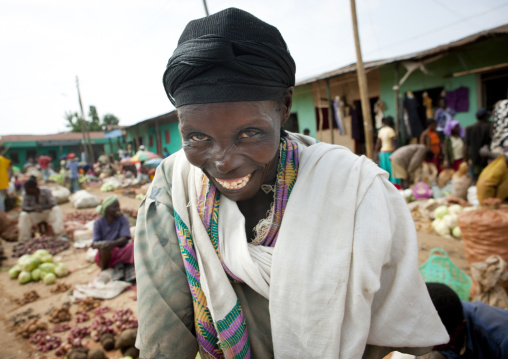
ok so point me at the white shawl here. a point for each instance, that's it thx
(344, 272)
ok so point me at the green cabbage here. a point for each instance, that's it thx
(455, 209)
(36, 274)
(456, 232)
(24, 277)
(14, 272)
(49, 278)
(29, 264)
(440, 212)
(40, 252)
(48, 258)
(48, 267)
(61, 270)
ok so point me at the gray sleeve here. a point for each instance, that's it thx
(165, 311)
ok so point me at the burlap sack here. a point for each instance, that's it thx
(484, 233)
(487, 276)
(461, 184)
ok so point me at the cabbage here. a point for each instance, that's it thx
(48, 258)
(14, 272)
(29, 264)
(456, 232)
(49, 278)
(440, 212)
(36, 274)
(40, 252)
(23, 258)
(407, 193)
(24, 277)
(455, 209)
(450, 220)
(61, 270)
(48, 267)
(440, 227)
(42, 274)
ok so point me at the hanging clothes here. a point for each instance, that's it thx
(458, 99)
(413, 116)
(356, 126)
(427, 103)
(338, 115)
(379, 108)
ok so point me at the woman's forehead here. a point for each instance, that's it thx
(228, 111)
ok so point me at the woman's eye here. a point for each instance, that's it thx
(199, 137)
(248, 133)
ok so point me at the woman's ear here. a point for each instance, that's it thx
(287, 102)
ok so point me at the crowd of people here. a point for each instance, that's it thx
(446, 145)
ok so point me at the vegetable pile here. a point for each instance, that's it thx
(50, 244)
(38, 266)
(81, 216)
(31, 327)
(45, 342)
(28, 297)
(106, 187)
(446, 222)
(59, 315)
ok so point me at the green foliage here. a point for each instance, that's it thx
(94, 123)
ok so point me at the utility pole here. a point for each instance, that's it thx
(206, 8)
(84, 128)
(362, 82)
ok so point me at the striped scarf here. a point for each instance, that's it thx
(228, 338)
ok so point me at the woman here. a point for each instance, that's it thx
(253, 242)
(453, 149)
(386, 145)
(111, 234)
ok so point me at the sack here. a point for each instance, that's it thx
(421, 191)
(83, 199)
(461, 184)
(484, 233)
(61, 194)
(440, 269)
(487, 276)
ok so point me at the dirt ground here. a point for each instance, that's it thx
(82, 272)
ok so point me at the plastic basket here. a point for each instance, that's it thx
(440, 269)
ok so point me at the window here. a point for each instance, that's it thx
(151, 141)
(14, 157)
(52, 154)
(166, 135)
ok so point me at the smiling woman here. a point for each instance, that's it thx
(258, 243)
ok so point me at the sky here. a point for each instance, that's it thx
(119, 48)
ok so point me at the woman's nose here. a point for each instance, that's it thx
(226, 161)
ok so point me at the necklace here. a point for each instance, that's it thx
(267, 188)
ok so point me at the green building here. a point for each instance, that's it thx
(472, 71)
(21, 148)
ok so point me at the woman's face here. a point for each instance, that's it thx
(113, 211)
(234, 143)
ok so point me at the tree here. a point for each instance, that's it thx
(94, 123)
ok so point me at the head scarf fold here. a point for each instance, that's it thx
(228, 57)
(450, 125)
(108, 201)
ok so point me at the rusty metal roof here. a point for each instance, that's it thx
(52, 137)
(482, 35)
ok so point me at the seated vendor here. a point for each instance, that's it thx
(38, 206)
(111, 234)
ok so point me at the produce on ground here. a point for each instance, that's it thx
(88, 304)
(31, 327)
(28, 297)
(61, 314)
(100, 326)
(21, 318)
(38, 266)
(446, 222)
(60, 288)
(51, 244)
(60, 328)
(75, 337)
(106, 187)
(45, 342)
(125, 319)
(83, 317)
(81, 216)
(108, 341)
(96, 353)
(126, 339)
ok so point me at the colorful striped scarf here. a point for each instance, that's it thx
(228, 338)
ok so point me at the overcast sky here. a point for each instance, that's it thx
(119, 48)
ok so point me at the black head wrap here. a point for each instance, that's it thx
(228, 57)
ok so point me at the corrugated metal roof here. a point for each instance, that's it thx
(52, 137)
(501, 30)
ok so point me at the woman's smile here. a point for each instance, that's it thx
(234, 184)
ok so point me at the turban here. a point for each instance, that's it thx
(108, 201)
(228, 57)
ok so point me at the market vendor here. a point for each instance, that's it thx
(111, 235)
(38, 206)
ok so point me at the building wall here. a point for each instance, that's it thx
(174, 142)
(303, 106)
(482, 54)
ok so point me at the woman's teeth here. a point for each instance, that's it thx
(234, 184)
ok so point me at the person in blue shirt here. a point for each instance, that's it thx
(476, 330)
(73, 166)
